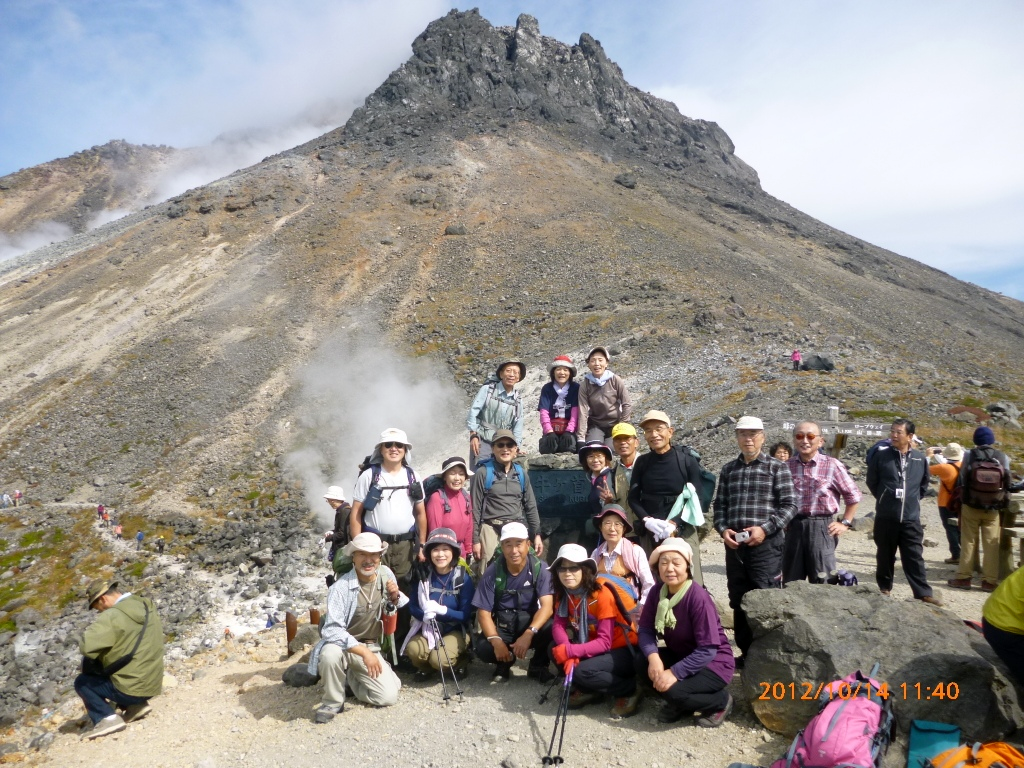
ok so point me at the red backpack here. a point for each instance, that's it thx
(853, 727)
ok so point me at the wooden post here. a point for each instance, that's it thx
(291, 626)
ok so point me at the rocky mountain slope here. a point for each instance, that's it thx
(501, 193)
(73, 191)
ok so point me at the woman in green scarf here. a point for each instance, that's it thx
(692, 672)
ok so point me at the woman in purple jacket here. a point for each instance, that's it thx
(693, 670)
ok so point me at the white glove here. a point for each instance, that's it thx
(660, 529)
(435, 607)
(652, 524)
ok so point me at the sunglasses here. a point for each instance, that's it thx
(569, 568)
(504, 446)
(804, 435)
(392, 445)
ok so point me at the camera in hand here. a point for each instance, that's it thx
(741, 536)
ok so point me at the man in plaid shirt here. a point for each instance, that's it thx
(753, 505)
(820, 482)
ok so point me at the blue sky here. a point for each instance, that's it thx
(897, 122)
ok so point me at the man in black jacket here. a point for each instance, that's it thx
(897, 478)
(657, 480)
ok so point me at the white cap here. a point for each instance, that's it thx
(572, 553)
(749, 422)
(335, 493)
(392, 435)
(514, 531)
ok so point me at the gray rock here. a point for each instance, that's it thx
(456, 229)
(263, 557)
(305, 634)
(297, 676)
(99, 481)
(627, 180)
(814, 634)
(42, 741)
(817, 363)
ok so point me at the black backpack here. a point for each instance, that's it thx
(705, 491)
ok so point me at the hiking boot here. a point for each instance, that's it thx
(626, 706)
(715, 719)
(541, 674)
(670, 714)
(952, 561)
(579, 699)
(422, 676)
(109, 724)
(136, 712)
(959, 583)
(988, 586)
(502, 673)
(326, 712)
(462, 666)
(931, 600)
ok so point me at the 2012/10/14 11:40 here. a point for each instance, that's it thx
(808, 691)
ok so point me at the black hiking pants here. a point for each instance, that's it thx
(747, 569)
(908, 539)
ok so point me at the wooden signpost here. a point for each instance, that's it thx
(840, 430)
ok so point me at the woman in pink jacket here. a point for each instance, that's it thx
(450, 507)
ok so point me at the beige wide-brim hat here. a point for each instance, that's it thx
(673, 544)
(366, 542)
(953, 452)
(749, 422)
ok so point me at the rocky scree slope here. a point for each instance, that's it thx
(501, 193)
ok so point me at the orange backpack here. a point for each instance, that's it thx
(995, 754)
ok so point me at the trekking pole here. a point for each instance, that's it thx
(560, 713)
(451, 667)
(437, 636)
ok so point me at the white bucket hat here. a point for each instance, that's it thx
(392, 435)
(335, 493)
(572, 553)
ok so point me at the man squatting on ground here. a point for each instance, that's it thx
(820, 482)
(753, 505)
(349, 647)
(516, 617)
(123, 658)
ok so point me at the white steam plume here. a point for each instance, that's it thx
(42, 234)
(352, 391)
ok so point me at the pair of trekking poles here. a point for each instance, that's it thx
(432, 623)
(561, 715)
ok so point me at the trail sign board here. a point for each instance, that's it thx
(853, 428)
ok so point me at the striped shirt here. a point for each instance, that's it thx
(758, 493)
(819, 484)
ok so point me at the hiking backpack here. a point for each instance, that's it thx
(488, 467)
(414, 488)
(435, 484)
(996, 754)
(853, 727)
(986, 483)
(627, 601)
(535, 565)
(705, 491)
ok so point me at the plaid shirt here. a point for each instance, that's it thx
(758, 493)
(819, 484)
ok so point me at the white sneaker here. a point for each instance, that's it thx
(109, 724)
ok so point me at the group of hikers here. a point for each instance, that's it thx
(452, 566)
(11, 499)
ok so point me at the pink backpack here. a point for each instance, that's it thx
(852, 729)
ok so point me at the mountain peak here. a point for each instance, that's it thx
(466, 76)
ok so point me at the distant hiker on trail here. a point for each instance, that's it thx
(820, 482)
(497, 405)
(348, 653)
(123, 660)
(138, 540)
(160, 543)
(106, 519)
(753, 505)
(693, 670)
(451, 507)
(338, 536)
(501, 493)
(6, 500)
(596, 460)
(985, 482)
(117, 532)
(781, 451)
(559, 407)
(619, 556)
(604, 400)
(897, 478)
(17, 498)
(514, 604)
(590, 636)
(797, 358)
(946, 466)
(659, 479)
(444, 596)
(388, 501)
(100, 509)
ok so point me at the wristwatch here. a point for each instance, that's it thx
(847, 523)
(533, 629)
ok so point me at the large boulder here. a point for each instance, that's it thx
(817, 363)
(810, 634)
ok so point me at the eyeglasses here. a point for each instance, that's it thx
(392, 445)
(504, 446)
(804, 435)
(658, 428)
(612, 524)
(569, 568)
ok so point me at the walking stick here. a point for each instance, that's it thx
(437, 635)
(561, 713)
(451, 667)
